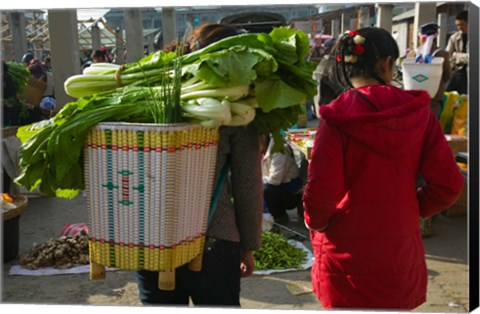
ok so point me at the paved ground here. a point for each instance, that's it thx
(44, 218)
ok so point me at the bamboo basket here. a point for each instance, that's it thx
(11, 228)
(33, 92)
(21, 202)
(148, 189)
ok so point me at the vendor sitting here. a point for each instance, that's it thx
(282, 185)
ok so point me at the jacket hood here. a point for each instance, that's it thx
(399, 123)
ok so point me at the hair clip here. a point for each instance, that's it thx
(351, 33)
(351, 59)
(347, 58)
(358, 40)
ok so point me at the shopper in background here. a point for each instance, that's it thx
(47, 106)
(282, 184)
(235, 229)
(329, 87)
(50, 90)
(27, 58)
(361, 200)
(458, 48)
(99, 56)
(108, 58)
(38, 70)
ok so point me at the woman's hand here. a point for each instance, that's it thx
(247, 264)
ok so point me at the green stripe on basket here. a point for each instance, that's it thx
(141, 198)
(111, 208)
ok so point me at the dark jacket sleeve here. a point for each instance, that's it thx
(325, 184)
(443, 179)
(247, 187)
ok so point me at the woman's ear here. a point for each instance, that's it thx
(385, 68)
(384, 64)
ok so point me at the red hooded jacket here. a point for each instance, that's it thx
(362, 182)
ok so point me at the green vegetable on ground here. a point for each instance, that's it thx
(276, 253)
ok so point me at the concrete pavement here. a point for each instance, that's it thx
(446, 255)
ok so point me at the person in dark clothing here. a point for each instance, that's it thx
(458, 48)
(99, 56)
(234, 231)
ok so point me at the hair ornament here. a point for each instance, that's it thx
(354, 47)
(358, 50)
(351, 59)
(358, 40)
(351, 33)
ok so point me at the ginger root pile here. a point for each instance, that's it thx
(61, 253)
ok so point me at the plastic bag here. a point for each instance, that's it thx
(460, 116)
(448, 107)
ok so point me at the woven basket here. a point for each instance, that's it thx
(33, 92)
(148, 192)
(21, 202)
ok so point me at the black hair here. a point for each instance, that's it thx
(378, 44)
(329, 44)
(99, 54)
(462, 16)
(27, 58)
(429, 29)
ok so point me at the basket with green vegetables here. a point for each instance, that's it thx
(277, 253)
(16, 77)
(263, 79)
(17, 74)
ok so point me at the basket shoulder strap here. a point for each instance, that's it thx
(218, 188)
(435, 52)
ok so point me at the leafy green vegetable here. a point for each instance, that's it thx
(277, 253)
(51, 152)
(18, 74)
(262, 79)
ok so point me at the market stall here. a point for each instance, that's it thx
(301, 139)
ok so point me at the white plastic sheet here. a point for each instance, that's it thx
(17, 270)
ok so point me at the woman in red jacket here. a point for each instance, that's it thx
(361, 201)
